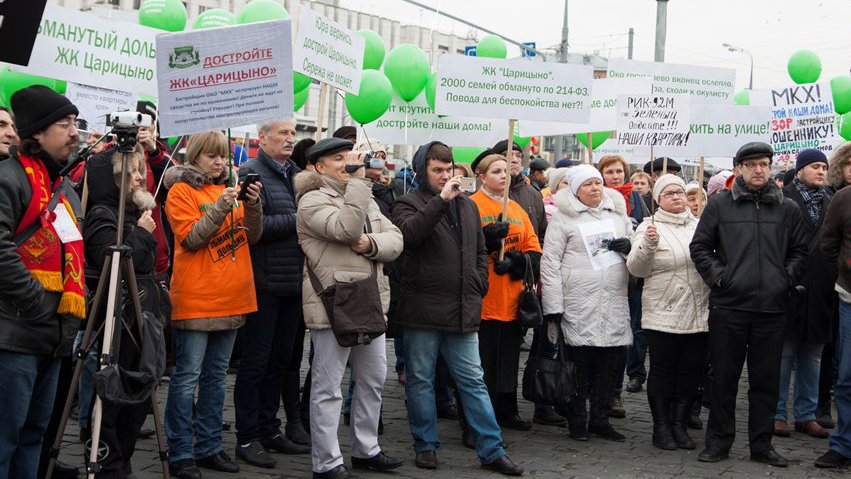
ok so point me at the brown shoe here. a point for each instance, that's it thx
(812, 428)
(781, 428)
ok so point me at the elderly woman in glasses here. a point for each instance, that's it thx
(674, 307)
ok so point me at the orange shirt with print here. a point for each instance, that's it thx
(503, 296)
(208, 282)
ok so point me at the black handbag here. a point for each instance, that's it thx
(354, 309)
(550, 381)
(529, 313)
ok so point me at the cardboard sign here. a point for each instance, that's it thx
(415, 123)
(83, 48)
(220, 77)
(653, 120)
(704, 84)
(328, 52)
(513, 89)
(802, 116)
(19, 21)
(96, 103)
(604, 105)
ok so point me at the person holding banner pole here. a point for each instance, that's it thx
(499, 333)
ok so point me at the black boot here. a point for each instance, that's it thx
(292, 407)
(681, 413)
(662, 435)
(694, 421)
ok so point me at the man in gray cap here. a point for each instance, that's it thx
(345, 238)
(750, 249)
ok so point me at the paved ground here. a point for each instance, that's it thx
(545, 451)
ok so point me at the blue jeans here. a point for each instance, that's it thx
(806, 358)
(28, 383)
(86, 390)
(461, 353)
(840, 439)
(200, 360)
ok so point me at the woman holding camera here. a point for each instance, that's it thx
(212, 234)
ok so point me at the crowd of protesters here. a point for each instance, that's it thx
(699, 276)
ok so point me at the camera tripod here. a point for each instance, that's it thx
(117, 267)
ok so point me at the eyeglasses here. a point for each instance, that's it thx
(67, 125)
(752, 165)
(673, 194)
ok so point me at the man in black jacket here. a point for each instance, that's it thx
(41, 285)
(444, 278)
(8, 135)
(273, 336)
(749, 248)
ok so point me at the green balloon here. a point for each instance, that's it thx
(804, 67)
(845, 126)
(523, 141)
(841, 88)
(465, 154)
(214, 18)
(743, 97)
(492, 46)
(373, 98)
(597, 138)
(61, 86)
(300, 98)
(408, 70)
(431, 90)
(168, 15)
(300, 82)
(373, 52)
(172, 140)
(10, 82)
(262, 11)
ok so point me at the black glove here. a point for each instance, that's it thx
(514, 264)
(494, 233)
(620, 245)
(553, 318)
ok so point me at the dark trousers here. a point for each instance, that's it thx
(269, 337)
(499, 349)
(598, 369)
(734, 335)
(677, 363)
(637, 353)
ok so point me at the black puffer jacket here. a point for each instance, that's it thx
(811, 315)
(28, 320)
(277, 258)
(750, 248)
(444, 271)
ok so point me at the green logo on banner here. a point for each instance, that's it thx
(183, 57)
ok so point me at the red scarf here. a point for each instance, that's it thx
(57, 268)
(626, 190)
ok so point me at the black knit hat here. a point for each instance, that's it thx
(37, 107)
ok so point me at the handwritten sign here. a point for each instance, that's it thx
(650, 120)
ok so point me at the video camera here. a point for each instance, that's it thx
(369, 161)
(125, 125)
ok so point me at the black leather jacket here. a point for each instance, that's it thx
(750, 248)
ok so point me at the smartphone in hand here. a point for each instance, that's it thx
(249, 180)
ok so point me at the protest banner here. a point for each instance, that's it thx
(802, 116)
(83, 48)
(96, 103)
(653, 120)
(513, 89)
(415, 123)
(328, 52)
(221, 77)
(704, 84)
(19, 22)
(604, 103)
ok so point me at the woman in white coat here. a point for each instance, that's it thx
(675, 312)
(584, 289)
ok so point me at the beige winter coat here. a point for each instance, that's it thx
(675, 297)
(328, 223)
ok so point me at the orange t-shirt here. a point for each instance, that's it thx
(208, 283)
(503, 292)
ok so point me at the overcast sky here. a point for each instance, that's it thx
(771, 29)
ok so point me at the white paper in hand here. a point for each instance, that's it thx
(65, 226)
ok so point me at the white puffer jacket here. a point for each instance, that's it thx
(675, 297)
(593, 304)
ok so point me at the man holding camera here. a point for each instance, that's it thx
(272, 334)
(444, 277)
(41, 256)
(343, 235)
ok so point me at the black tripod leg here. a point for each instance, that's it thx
(133, 289)
(85, 345)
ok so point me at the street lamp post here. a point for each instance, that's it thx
(747, 52)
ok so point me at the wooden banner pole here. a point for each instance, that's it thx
(507, 189)
(652, 198)
(590, 149)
